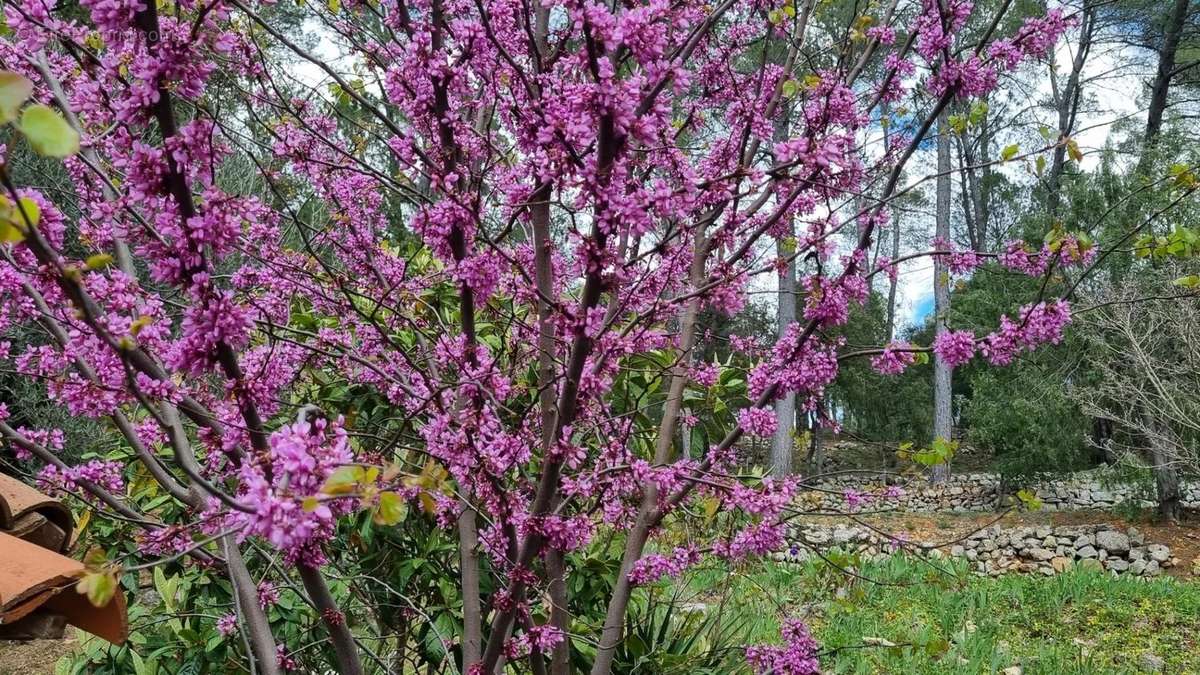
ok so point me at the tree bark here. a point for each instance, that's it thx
(1159, 89)
(1166, 478)
(782, 444)
(258, 629)
(1066, 102)
(942, 423)
(335, 620)
(893, 280)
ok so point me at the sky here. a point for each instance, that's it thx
(1116, 93)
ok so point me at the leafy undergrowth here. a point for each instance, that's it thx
(913, 618)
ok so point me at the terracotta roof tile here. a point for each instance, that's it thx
(36, 578)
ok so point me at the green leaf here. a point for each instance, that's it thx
(48, 133)
(391, 510)
(343, 480)
(1040, 165)
(1190, 281)
(15, 89)
(790, 88)
(99, 261)
(10, 234)
(1009, 152)
(139, 666)
(99, 587)
(21, 216)
(1030, 499)
(978, 112)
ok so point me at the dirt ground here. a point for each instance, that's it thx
(34, 657)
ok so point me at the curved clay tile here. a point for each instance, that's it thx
(33, 579)
(23, 511)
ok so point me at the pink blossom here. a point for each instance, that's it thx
(954, 347)
(758, 421)
(227, 625)
(894, 359)
(797, 656)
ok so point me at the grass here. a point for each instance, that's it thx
(918, 619)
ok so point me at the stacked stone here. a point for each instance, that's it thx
(973, 492)
(993, 551)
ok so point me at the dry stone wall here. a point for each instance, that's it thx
(982, 492)
(993, 551)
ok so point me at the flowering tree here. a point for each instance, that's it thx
(499, 227)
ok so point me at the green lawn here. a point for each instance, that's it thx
(948, 621)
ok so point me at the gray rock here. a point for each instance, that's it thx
(1158, 552)
(1039, 554)
(1084, 540)
(1152, 569)
(1113, 541)
(1136, 536)
(957, 551)
(1137, 567)
(1086, 552)
(1116, 564)
(817, 537)
(1150, 663)
(1137, 553)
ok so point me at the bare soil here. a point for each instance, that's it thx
(33, 657)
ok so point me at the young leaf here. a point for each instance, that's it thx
(1030, 499)
(15, 89)
(10, 234)
(1074, 151)
(98, 586)
(392, 509)
(48, 133)
(99, 261)
(343, 480)
(1009, 152)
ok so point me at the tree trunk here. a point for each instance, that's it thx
(942, 423)
(1066, 102)
(785, 315)
(1166, 66)
(892, 282)
(816, 449)
(1166, 478)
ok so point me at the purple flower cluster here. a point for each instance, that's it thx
(759, 422)
(797, 656)
(954, 347)
(894, 358)
(1038, 324)
(656, 566)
